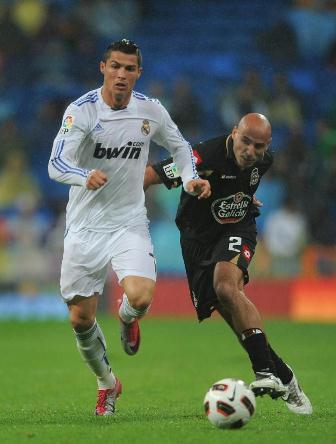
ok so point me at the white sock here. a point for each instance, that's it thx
(128, 313)
(92, 347)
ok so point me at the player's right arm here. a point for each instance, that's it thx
(63, 163)
(162, 172)
(166, 172)
(151, 177)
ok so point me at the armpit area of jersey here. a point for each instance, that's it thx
(167, 171)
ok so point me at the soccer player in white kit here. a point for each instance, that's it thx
(101, 150)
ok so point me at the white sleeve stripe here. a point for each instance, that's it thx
(195, 173)
(60, 165)
(194, 170)
(196, 176)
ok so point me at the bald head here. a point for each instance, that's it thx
(251, 138)
(257, 125)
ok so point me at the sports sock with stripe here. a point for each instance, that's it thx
(127, 313)
(92, 347)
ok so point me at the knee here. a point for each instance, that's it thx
(225, 291)
(141, 301)
(81, 321)
(140, 293)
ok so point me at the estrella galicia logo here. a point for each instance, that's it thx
(131, 150)
(230, 209)
(145, 129)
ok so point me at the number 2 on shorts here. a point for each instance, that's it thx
(235, 242)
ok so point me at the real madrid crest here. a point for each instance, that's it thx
(254, 176)
(145, 129)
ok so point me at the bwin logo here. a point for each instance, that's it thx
(130, 151)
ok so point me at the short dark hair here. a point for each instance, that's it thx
(126, 46)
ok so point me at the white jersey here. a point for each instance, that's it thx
(94, 136)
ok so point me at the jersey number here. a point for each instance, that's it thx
(235, 242)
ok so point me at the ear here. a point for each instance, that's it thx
(139, 72)
(102, 67)
(269, 143)
(234, 131)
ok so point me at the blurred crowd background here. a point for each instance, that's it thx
(209, 62)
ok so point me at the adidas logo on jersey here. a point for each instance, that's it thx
(130, 151)
(98, 127)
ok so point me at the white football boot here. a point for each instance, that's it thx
(268, 384)
(296, 400)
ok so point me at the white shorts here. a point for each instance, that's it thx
(87, 255)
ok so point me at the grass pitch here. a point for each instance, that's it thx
(47, 395)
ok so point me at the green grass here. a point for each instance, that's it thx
(47, 395)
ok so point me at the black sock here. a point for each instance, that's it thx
(284, 373)
(256, 345)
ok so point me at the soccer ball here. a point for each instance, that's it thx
(229, 403)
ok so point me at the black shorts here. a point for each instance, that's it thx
(200, 260)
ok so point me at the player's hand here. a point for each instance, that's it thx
(257, 202)
(95, 180)
(199, 187)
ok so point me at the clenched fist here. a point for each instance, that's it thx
(95, 180)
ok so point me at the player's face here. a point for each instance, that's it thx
(120, 71)
(249, 146)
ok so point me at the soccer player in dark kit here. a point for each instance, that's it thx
(218, 240)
